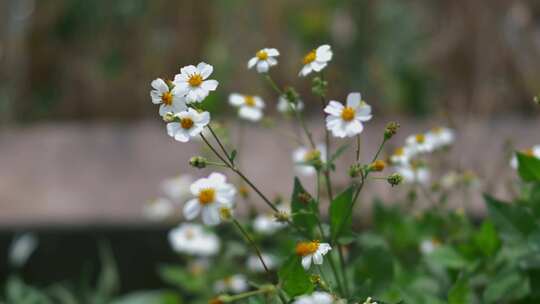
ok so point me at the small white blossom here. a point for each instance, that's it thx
(264, 59)
(401, 156)
(193, 83)
(249, 107)
(312, 252)
(170, 101)
(419, 143)
(236, 284)
(254, 264)
(429, 245)
(158, 209)
(440, 137)
(316, 60)
(534, 151)
(177, 188)
(211, 194)
(21, 248)
(193, 239)
(303, 155)
(347, 121)
(318, 297)
(414, 173)
(191, 124)
(267, 224)
(284, 106)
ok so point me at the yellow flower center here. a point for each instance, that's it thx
(195, 80)
(189, 234)
(399, 151)
(207, 196)
(420, 138)
(262, 55)
(167, 98)
(528, 152)
(348, 114)
(307, 248)
(310, 57)
(249, 100)
(312, 155)
(437, 130)
(186, 123)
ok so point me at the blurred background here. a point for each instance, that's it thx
(82, 145)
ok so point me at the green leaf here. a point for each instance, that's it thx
(178, 276)
(447, 257)
(528, 167)
(233, 155)
(294, 279)
(18, 292)
(506, 286)
(149, 297)
(375, 269)
(486, 239)
(304, 208)
(511, 218)
(340, 214)
(460, 293)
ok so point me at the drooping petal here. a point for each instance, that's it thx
(317, 258)
(191, 209)
(318, 66)
(306, 70)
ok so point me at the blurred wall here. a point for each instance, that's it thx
(87, 60)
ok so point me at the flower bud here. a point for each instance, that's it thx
(281, 216)
(291, 95)
(169, 117)
(355, 170)
(198, 162)
(170, 84)
(391, 130)
(394, 179)
(225, 213)
(243, 191)
(319, 86)
(377, 166)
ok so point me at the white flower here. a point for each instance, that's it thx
(419, 143)
(429, 245)
(249, 107)
(316, 60)
(346, 121)
(254, 264)
(212, 194)
(534, 151)
(158, 209)
(414, 173)
(264, 59)
(303, 156)
(190, 124)
(21, 248)
(192, 239)
(450, 180)
(177, 188)
(440, 137)
(401, 156)
(169, 100)
(192, 81)
(266, 224)
(312, 252)
(318, 297)
(236, 284)
(284, 106)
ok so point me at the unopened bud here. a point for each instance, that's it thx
(319, 86)
(394, 179)
(355, 170)
(291, 95)
(225, 213)
(170, 84)
(243, 191)
(377, 166)
(169, 117)
(391, 130)
(281, 216)
(198, 162)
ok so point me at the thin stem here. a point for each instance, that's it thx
(334, 271)
(229, 157)
(358, 145)
(251, 242)
(249, 294)
(323, 276)
(344, 270)
(214, 150)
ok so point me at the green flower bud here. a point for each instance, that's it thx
(319, 86)
(198, 162)
(169, 117)
(394, 179)
(355, 170)
(391, 130)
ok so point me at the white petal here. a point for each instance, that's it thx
(354, 99)
(188, 70)
(236, 99)
(334, 108)
(306, 262)
(156, 97)
(324, 248)
(250, 113)
(205, 69)
(271, 61)
(160, 85)
(272, 52)
(182, 135)
(172, 128)
(259, 103)
(306, 70)
(324, 53)
(217, 178)
(353, 128)
(262, 66)
(210, 85)
(210, 215)
(317, 258)
(203, 118)
(191, 209)
(318, 66)
(252, 62)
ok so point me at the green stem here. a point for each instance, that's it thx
(344, 270)
(229, 157)
(252, 243)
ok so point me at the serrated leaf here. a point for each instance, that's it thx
(340, 214)
(293, 277)
(304, 208)
(528, 167)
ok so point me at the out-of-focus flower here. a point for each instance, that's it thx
(193, 83)
(191, 123)
(318, 297)
(347, 121)
(534, 151)
(450, 180)
(264, 59)
(401, 156)
(198, 266)
(158, 209)
(177, 188)
(419, 143)
(236, 284)
(316, 60)
(211, 194)
(305, 159)
(267, 223)
(193, 239)
(170, 101)
(369, 301)
(414, 173)
(440, 137)
(284, 106)
(312, 252)
(21, 248)
(429, 245)
(254, 264)
(249, 107)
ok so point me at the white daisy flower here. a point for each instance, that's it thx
(318, 297)
(192, 81)
(429, 245)
(266, 224)
(264, 59)
(177, 188)
(254, 264)
(534, 151)
(440, 137)
(304, 155)
(169, 100)
(312, 252)
(401, 156)
(284, 106)
(249, 107)
(414, 173)
(212, 194)
(190, 124)
(236, 284)
(158, 209)
(193, 239)
(419, 143)
(346, 121)
(316, 60)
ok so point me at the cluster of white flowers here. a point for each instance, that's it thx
(533, 151)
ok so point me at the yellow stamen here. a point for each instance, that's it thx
(306, 248)
(420, 138)
(348, 114)
(310, 57)
(207, 196)
(262, 55)
(167, 98)
(249, 100)
(528, 152)
(312, 155)
(399, 151)
(195, 80)
(186, 123)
